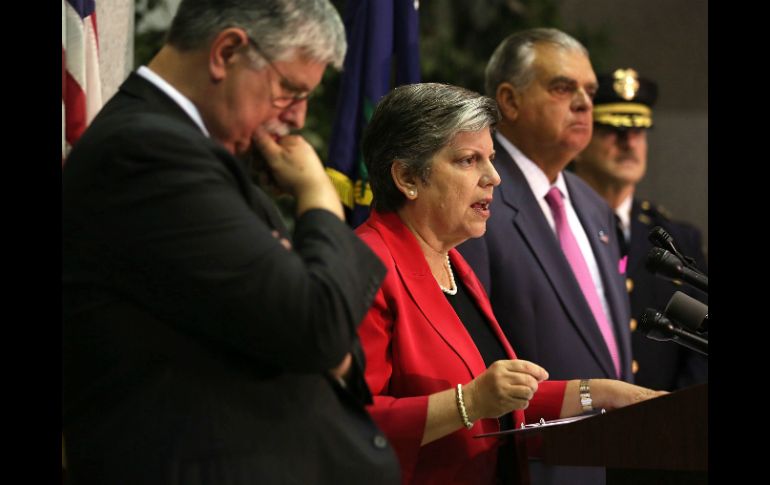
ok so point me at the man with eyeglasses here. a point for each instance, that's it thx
(202, 343)
(297, 95)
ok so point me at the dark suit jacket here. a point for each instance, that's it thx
(537, 299)
(416, 345)
(195, 345)
(661, 365)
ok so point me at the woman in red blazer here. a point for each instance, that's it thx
(439, 367)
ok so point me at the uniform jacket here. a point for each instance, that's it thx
(416, 345)
(195, 345)
(661, 365)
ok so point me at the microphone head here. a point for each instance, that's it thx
(654, 325)
(662, 262)
(660, 238)
(687, 311)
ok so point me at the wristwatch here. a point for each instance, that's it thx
(585, 396)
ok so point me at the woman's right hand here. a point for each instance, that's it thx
(505, 386)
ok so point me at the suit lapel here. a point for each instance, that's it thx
(530, 222)
(422, 287)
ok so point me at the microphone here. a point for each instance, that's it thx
(657, 327)
(662, 262)
(688, 311)
(661, 238)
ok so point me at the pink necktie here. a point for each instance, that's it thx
(579, 267)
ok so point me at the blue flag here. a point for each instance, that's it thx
(383, 49)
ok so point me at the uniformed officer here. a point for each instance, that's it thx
(613, 163)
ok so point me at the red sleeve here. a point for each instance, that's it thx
(547, 401)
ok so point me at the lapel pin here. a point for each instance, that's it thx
(603, 237)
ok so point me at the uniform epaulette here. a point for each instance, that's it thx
(662, 211)
(654, 211)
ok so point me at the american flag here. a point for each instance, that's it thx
(81, 92)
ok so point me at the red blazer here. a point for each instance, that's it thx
(415, 345)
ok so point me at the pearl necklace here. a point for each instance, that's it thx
(453, 289)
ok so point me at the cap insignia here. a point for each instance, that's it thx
(626, 83)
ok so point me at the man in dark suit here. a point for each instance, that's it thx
(613, 163)
(570, 317)
(202, 343)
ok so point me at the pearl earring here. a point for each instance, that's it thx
(412, 193)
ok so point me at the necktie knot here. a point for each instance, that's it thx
(555, 199)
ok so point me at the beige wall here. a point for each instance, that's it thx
(115, 21)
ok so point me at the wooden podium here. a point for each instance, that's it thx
(662, 440)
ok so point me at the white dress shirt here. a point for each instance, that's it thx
(623, 212)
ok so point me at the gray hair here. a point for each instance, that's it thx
(279, 26)
(512, 60)
(410, 125)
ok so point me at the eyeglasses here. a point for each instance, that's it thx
(282, 102)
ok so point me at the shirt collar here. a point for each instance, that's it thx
(536, 178)
(623, 211)
(174, 94)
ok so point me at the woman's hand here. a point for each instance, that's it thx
(613, 394)
(506, 385)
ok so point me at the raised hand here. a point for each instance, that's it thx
(505, 386)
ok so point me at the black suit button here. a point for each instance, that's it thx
(380, 442)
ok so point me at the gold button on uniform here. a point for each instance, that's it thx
(632, 324)
(634, 366)
(629, 285)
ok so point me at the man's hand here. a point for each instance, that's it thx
(296, 168)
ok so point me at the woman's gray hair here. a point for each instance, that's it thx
(512, 60)
(410, 125)
(313, 27)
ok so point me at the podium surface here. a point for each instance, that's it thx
(661, 440)
(666, 433)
